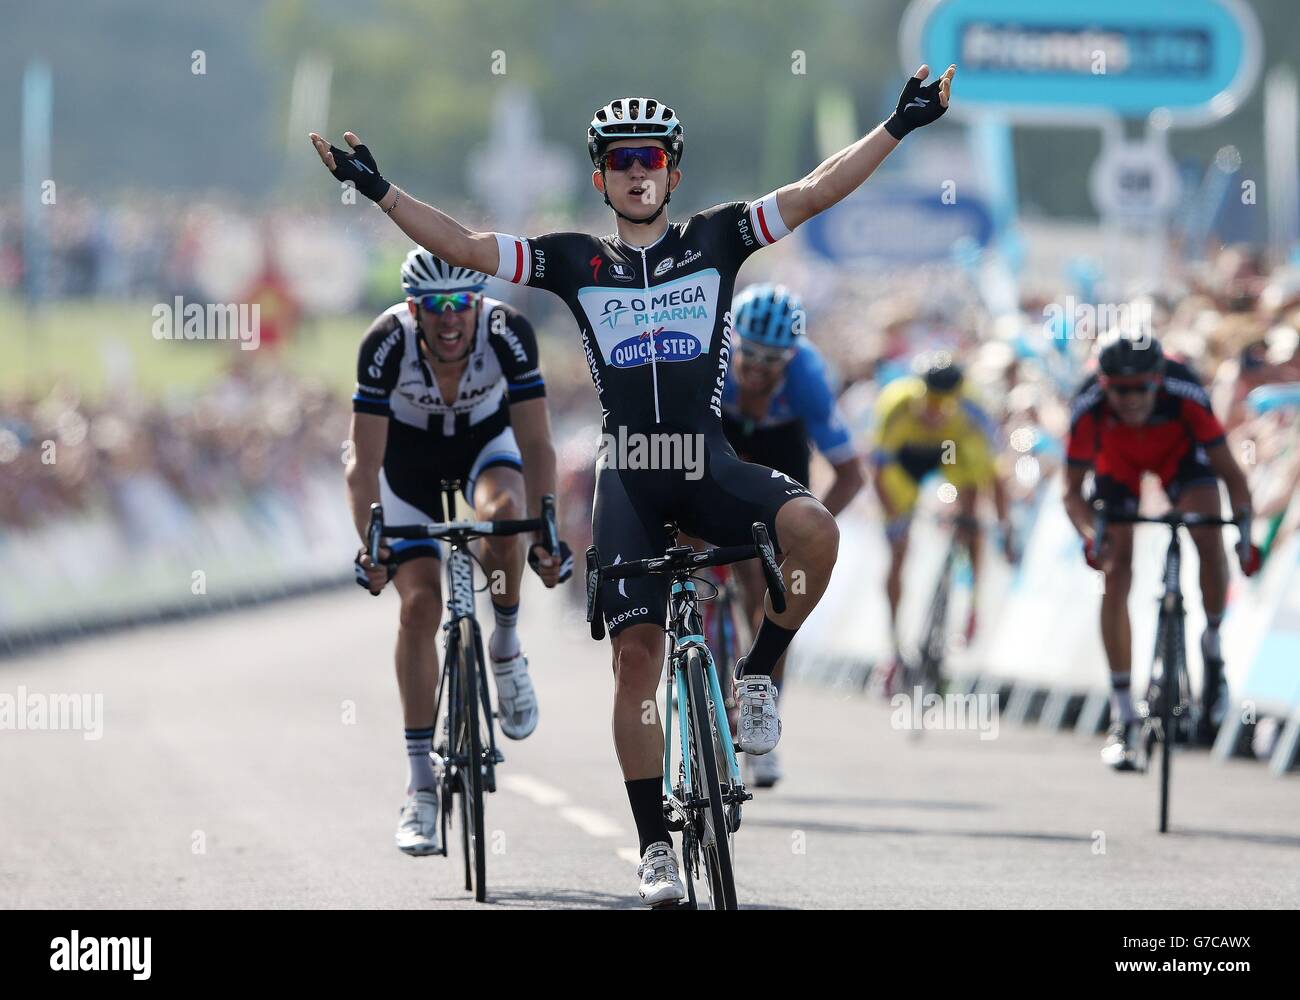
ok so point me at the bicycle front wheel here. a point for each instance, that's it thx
(715, 836)
(1174, 665)
(471, 748)
(929, 672)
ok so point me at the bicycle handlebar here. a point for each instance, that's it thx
(682, 559)
(1247, 551)
(377, 530)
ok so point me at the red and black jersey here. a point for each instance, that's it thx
(1180, 421)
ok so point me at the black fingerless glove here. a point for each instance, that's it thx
(566, 559)
(918, 106)
(360, 168)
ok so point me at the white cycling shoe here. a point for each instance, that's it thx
(516, 699)
(417, 826)
(660, 881)
(759, 730)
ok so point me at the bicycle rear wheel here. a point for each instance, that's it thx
(715, 839)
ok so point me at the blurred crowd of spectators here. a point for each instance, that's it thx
(127, 249)
(1236, 321)
(151, 462)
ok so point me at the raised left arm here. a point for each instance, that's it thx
(837, 176)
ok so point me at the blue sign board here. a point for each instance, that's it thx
(879, 225)
(1041, 60)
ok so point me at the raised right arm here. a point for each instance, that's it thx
(429, 227)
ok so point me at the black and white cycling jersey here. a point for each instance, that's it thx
(394, 380)
(431, 439)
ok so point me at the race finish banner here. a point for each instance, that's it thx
(1090, 60)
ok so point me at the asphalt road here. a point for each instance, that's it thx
(256, 760)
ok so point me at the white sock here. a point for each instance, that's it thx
(504, 644)
(1121, 698)
(419, 742)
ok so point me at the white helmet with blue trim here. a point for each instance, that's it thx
(635, 118)
(425, 274)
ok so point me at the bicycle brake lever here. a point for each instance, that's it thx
(771, 571)
(595, 614)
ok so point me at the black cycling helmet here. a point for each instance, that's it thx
(1124, 355)
(635, 118)
(942, 373)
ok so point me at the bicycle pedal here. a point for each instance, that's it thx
(498, 757)
(676, 905)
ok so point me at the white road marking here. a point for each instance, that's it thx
(591, 822)
(538, 791)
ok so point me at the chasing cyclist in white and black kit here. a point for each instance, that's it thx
(652, 303)
(449, 387)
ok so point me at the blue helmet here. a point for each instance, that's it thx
(770, 315)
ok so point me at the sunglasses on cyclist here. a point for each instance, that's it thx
(1130, 387)
(650, 157)
(450, 302)
(764, 355)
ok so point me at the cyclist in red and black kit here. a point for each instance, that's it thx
(652, 303)
(1144, 413)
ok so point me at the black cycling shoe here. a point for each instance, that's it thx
(1120, 749)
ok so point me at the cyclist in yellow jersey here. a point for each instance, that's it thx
(930, 423)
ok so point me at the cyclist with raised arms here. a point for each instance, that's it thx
(1143, 412)
(652, 304)
(448, 387)
(779, 399)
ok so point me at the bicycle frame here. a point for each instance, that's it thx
(685, 629)
(460, 605)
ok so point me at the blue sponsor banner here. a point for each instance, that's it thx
(891, 225)
(1035, 60)
(1274, 676)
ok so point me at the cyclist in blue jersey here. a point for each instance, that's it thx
(779, 399)
(652, 306)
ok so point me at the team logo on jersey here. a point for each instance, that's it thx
(691, 257)
(664, 266)
(668, 345)
(681, 312)
(620, 272)
(614, 310)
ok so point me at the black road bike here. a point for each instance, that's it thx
(1168, 713)
(466, 751)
